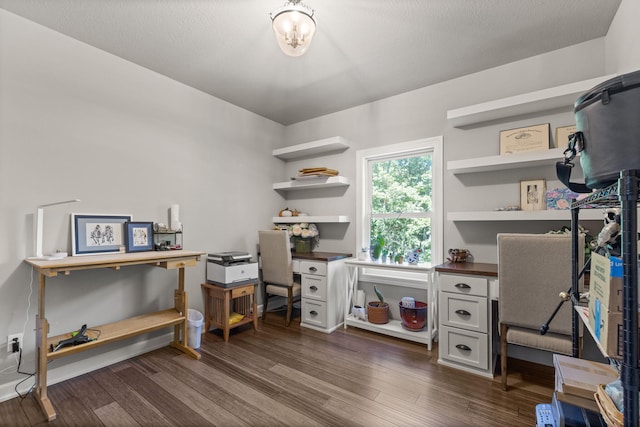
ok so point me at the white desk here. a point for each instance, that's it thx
(394, 327)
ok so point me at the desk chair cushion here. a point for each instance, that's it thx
(282, 291)
(556, 343)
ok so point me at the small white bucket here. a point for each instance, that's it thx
(194, 328)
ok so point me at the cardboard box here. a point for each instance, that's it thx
(578, 379)
(607, 327)
(605, 283)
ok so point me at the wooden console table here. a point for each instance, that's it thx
(176, 317)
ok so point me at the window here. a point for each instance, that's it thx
(400, 202)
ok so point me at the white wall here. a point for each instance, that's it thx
(422, 113)
(76, 122)
(623, 55)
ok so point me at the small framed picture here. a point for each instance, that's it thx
(533, 195)
(97, 234)
(139, 236)
(562, 135)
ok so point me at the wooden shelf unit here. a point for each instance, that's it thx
(115, 331)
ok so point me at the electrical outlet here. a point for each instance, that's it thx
(10, 342)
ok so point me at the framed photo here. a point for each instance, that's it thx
(93, 234)
(562, 135)
(138, 236)
(533, 195)
(521, 140)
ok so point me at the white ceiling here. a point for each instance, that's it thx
(363, 50)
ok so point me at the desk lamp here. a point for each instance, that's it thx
(40, 227)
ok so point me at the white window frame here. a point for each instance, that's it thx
(431, 146)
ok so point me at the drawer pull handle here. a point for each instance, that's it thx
(463, 313)
(313, 313)
(462, 286)
(313, 288)
(463, 347)
(313, 269)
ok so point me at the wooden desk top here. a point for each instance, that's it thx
(471, 268)
(112, 260)
(320, 256)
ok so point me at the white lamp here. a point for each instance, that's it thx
(40, 227)
(294, 26)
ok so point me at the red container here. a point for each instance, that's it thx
(414, 319)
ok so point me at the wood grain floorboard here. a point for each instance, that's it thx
(290, 376)
(131, 401)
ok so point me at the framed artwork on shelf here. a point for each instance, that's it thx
(533, 195)
(526, 139)
(138, 236)
(562, 135)
(93, 234)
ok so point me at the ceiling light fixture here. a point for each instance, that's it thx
(294, 26)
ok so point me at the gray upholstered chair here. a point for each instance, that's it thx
(532, 271)
(277, 273)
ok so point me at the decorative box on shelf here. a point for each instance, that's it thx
(165, 239)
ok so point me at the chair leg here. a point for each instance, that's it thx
(265, 300)
(503, 354)
(289, 304)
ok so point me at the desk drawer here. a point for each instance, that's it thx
(241, 291)
(464, 347)
(464, 311)
(314, 312)
(314, 287)
(313, 267)
(466, 285)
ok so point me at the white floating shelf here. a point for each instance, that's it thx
(532, 102)
(507, 161)
(314, 219)
(546, 215)
(313, 148)
(308, 184)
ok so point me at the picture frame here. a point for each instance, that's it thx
(525, 139)
(562, 135)
(138, 236)
(93, 234)
(533, 195)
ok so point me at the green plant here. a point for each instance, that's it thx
(379, 295)
(378, 245)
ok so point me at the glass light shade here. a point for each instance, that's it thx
(294, 27)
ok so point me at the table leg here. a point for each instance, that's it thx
(351, 284)
(42, 332)
(181, 304)
(255, 307)
(225, 319)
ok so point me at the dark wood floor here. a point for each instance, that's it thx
(290, 377)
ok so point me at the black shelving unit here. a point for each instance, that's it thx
(623, 194)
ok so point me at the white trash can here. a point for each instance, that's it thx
(194, 328)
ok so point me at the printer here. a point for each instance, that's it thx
(229, 268)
